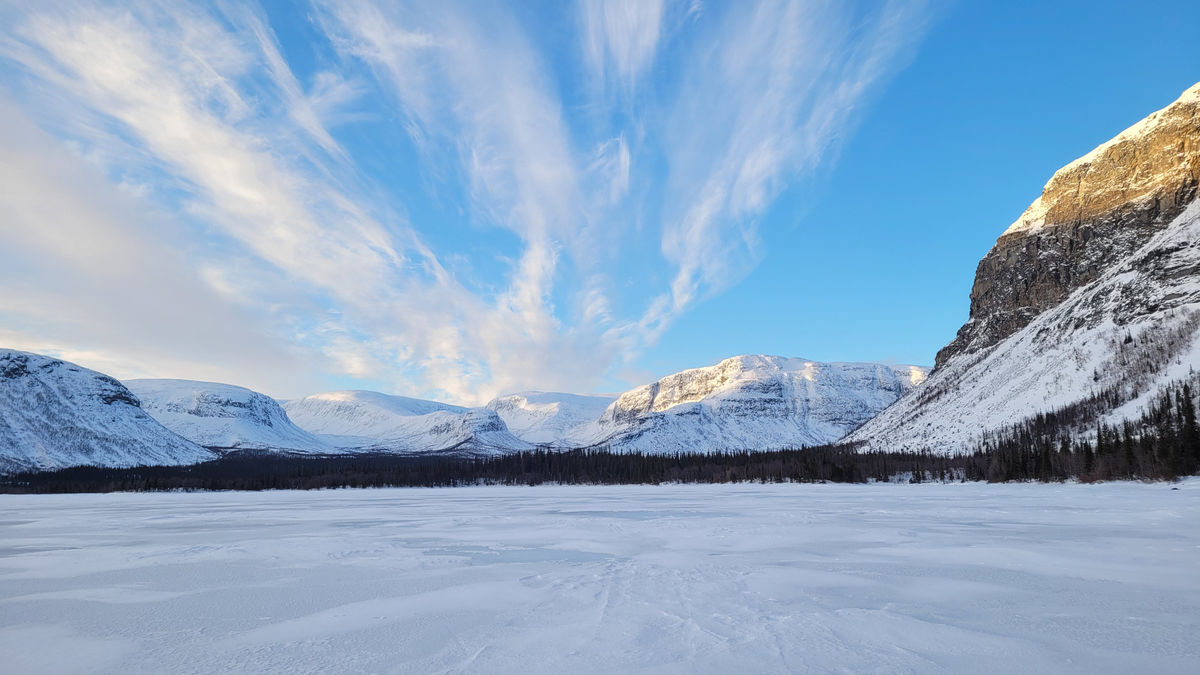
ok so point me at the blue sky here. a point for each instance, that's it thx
(457, 200)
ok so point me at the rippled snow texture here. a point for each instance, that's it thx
(882, 578)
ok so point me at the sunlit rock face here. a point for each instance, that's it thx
(1094, 289)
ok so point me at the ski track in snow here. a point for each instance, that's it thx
(744, 578)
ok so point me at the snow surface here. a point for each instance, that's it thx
(55, 414)
(547, 418)
(223, 416)
(1019, 578)
(368, 421)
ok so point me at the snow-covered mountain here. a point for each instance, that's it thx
(747, 403)
(367, 421)
(56, 414)
(547, 418)
(223, 416)
(1095, 288)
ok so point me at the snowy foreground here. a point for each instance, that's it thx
(885, 578)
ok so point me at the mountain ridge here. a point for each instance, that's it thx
(366, 421)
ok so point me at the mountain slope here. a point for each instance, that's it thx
(1096, 285)
(223, 416)
(748, 403)
(367, 421)
(56, 414)
(547, 418)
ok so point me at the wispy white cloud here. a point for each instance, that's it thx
(89, 276)
(771, 95)
(475, 88)
(621, 38)
(263, 219)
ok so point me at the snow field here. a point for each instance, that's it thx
(665, 579)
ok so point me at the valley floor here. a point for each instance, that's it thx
(699, 578)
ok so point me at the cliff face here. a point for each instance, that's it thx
(1095, 288)
(1093, 212)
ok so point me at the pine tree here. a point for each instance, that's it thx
(1189, 433)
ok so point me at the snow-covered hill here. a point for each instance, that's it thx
(1095, 288)
(223, 416)
(748, 403)
(547, 418)
(367, 421)
(56, 414)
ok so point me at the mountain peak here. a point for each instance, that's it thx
(1154, 159)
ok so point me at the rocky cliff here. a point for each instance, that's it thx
(1095, 288)
(1092, 213)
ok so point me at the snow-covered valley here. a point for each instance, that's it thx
(1013, 578)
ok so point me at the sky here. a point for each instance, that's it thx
(457, 200)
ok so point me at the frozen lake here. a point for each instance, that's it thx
(749, 578)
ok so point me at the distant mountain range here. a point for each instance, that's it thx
(1092, 295)
(746, 402)
(367, 421)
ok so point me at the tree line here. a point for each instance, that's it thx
(262, 471)
(1075, 441)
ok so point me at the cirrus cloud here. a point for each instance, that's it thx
(250, 178)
